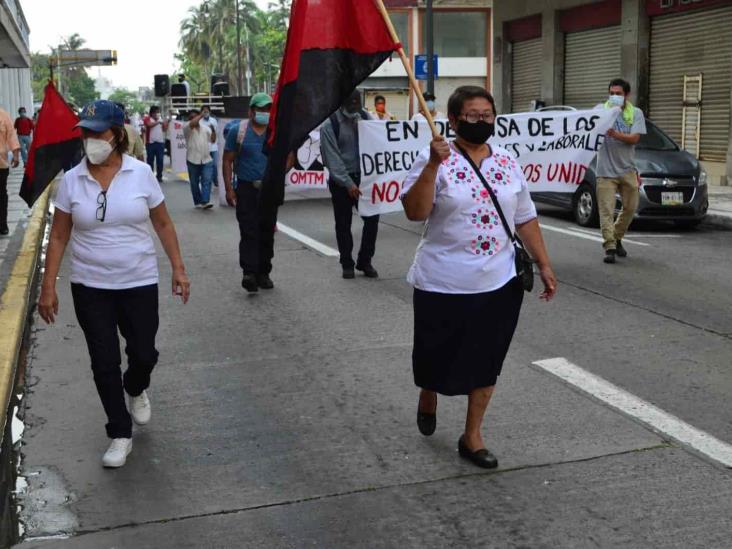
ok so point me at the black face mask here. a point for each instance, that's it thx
(476, 133)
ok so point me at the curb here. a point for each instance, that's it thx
(718, 219)
(14, 305)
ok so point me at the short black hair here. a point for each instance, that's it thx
(463, 94)
(21, 109)
(379, 98)
(154, 109)
(121, 106)
(620, 82)
(429, 96)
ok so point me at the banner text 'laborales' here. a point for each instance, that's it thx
(553, 148)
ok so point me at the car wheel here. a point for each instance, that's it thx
(585, 207)
(687, 223)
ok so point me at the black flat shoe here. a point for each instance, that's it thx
(427, 423)
(368, 271)
(249, 282)
(482, 458)
(348, 273)
(265, 282)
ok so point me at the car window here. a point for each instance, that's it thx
(656, 140)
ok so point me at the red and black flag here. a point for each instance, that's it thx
(56, 143)
(332, 46)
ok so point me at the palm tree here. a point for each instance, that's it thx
(209, 38)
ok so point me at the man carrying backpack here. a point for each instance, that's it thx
(340, 152)
(243, 167)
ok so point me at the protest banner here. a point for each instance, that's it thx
(554, 149)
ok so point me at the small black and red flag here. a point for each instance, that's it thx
(332, 46)
(56, 143)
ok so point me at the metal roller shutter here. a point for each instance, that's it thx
(525, 74)
(591, 60)
(693, 43)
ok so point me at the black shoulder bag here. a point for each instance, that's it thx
(524, 263)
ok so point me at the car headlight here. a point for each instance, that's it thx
(702, 177)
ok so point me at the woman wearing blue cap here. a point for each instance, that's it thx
(103, 205)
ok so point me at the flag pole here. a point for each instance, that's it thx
(408, 67)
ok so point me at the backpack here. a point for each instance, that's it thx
(337, 123)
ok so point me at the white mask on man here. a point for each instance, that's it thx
(616, 100)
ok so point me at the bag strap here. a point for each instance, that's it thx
(243, 125)
(513, 236)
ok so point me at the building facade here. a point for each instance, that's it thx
(676, 54)
(15, 61)
(462, 41)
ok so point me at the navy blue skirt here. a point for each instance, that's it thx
(461, 340)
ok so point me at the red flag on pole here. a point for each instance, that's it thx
(332, 46)
(56, 143)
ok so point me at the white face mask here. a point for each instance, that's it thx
(97, 150)
(616, 100)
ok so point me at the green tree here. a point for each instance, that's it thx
(39, 75)
(76, 85)
(208, 41)
(128, 99)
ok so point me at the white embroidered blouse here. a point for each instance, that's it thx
(464, 247)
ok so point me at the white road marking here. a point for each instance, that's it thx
(578, 234)
(653, 417)
(309, 242)
(635, 235)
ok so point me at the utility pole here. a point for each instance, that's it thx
(249, 60)
(239, 81)
(429, 32)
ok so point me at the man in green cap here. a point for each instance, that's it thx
(243, 167)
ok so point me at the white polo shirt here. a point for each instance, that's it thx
(119, 252)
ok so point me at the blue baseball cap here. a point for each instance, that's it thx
(100, 116)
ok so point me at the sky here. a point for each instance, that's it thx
(145, 34)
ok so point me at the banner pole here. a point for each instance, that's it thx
(407, 66)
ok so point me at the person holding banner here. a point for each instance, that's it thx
(616, 171)
(430, 102)
(340, 153)
(467, 296)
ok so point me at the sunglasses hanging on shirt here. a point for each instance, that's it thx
(102, 206)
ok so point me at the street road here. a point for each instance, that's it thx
(287, 419)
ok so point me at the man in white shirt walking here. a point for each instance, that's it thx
(213, 148)
(198, 159)
(155, 128)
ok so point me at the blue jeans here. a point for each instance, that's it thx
(200, 176)
(25, 143)
(155, 158)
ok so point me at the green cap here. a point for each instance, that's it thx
(260, 100)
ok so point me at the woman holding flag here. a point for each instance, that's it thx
(467, 295)
(103, 206)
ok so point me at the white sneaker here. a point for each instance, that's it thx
(208, 206)
(116, 454)
(140, 408)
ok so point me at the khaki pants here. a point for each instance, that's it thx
(627, 187)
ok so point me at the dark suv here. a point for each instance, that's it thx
(673, 185)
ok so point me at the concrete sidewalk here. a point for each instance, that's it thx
(287, 419)
(720, 206)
